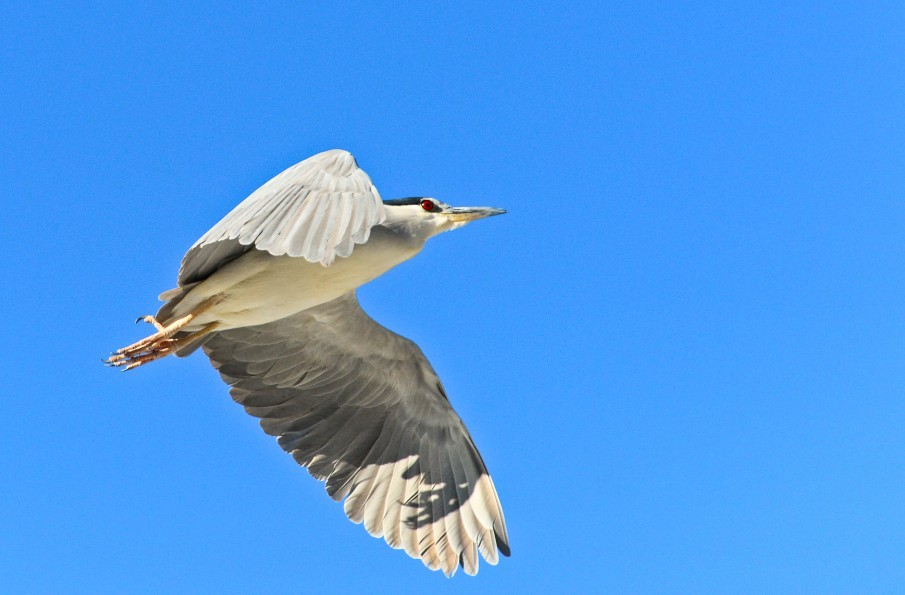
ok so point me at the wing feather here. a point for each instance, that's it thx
(317, 210)
(375, 503)
(391, 505)
(363, 410)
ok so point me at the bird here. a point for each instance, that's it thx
(269, 294)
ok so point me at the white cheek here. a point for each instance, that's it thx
(442, 224)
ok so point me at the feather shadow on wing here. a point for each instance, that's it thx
(363, 410)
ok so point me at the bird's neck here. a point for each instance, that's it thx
(406, 228)
(393, 243)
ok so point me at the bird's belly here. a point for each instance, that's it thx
(258, 288)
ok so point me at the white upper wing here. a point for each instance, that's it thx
(362, 409)
(317, 209)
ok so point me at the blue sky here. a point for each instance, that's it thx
(680, 353)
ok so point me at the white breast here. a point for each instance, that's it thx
(258, 288)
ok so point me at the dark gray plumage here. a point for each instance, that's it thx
(362, 409)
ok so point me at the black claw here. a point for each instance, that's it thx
(139, 319)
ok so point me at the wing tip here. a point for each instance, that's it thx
(502, 544)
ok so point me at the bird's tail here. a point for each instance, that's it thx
(173, 297)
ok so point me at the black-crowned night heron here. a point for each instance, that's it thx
(269, 293)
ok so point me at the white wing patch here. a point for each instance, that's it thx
(420, 521)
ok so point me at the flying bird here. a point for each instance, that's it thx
(269, 295)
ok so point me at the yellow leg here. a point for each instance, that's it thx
(141, 352)
(167, 346)
(165, 332)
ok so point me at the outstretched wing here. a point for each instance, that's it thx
(362, 409)
(317, 209)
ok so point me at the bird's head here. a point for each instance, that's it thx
(424, 216)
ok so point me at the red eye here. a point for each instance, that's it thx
(427, 205)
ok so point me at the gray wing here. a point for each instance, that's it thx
(362, 409)
(317, 209)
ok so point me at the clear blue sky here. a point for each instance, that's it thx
(682, 352)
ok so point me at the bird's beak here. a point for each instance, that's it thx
(466, 214)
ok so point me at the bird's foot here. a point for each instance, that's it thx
(161, 343)
(128, 359)
(147, 350)
(151, 348)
